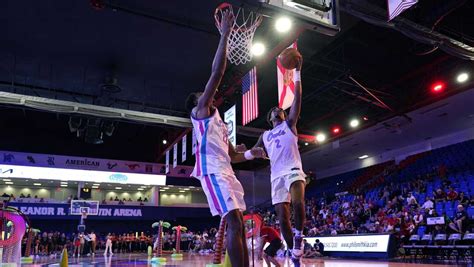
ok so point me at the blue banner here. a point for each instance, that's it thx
(110, 212)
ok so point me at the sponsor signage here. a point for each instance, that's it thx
(13, 171)
(434, 220)
(68, 162)
(108, 212)
(353, 243)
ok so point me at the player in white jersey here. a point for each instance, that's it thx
(288, 180)
(214, 154)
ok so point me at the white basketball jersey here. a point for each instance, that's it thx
(282, 149)
(212, 149)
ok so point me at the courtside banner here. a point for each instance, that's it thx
(353, 243)
(229, 119)
(50, 211)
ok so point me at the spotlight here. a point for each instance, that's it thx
(283, 24)
(437, 87)
(320, 137)
(462, 77)
(336, 130)
(363, 157)
(365, 118)
(306, 143)
(354, 123)
(165, 142)
(258, 49)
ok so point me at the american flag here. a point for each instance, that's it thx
(249, 96)
(395, 7)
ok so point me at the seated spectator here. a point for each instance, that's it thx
(104, 202)
(418, 218)
(413, 204)
(22, 196)
(116, 198)
(28, 196)
(12, 197)
(460, 221)
(139, 199)
(319, 247)
(308, 251)
(471, 202)
(428, 204)
(130, 199)
(36, 196)
(439, 195)
(452, 194)
(121, 202)
(145, 200)
(463, 200)
(41, 200)
(111, 199)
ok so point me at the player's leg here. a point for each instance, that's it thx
(235, 245)
(244, 241)
(283, 215)
(297, 191)
(295, 183)
(281, 201)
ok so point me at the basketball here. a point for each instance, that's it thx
(289, 58)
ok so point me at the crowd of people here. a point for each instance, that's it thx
(394, 210)
(80, 244)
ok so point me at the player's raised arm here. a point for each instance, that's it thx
(241, 154)
(218, 67)
(296, 105)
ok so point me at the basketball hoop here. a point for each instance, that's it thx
(241, 35)
(84, 215)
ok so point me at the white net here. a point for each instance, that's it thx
(241, 36)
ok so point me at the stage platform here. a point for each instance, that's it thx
(196, 260)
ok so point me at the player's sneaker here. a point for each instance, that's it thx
(296, 261)
(298, 247)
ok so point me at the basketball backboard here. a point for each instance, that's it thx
(320, 15)
(91, 207)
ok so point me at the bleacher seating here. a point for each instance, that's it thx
(451, 166)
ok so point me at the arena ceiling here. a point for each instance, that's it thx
(148, 55)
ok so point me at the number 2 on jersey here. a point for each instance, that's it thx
(277, 141)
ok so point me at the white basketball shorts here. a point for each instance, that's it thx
(224, 193)
(281, 186)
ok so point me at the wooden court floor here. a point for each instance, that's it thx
(202, 260)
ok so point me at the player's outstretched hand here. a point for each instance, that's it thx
(258, 152)
(227, 22)
(240, 148)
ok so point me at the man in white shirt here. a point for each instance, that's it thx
(428, 204)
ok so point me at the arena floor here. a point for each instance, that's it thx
(200, 260)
